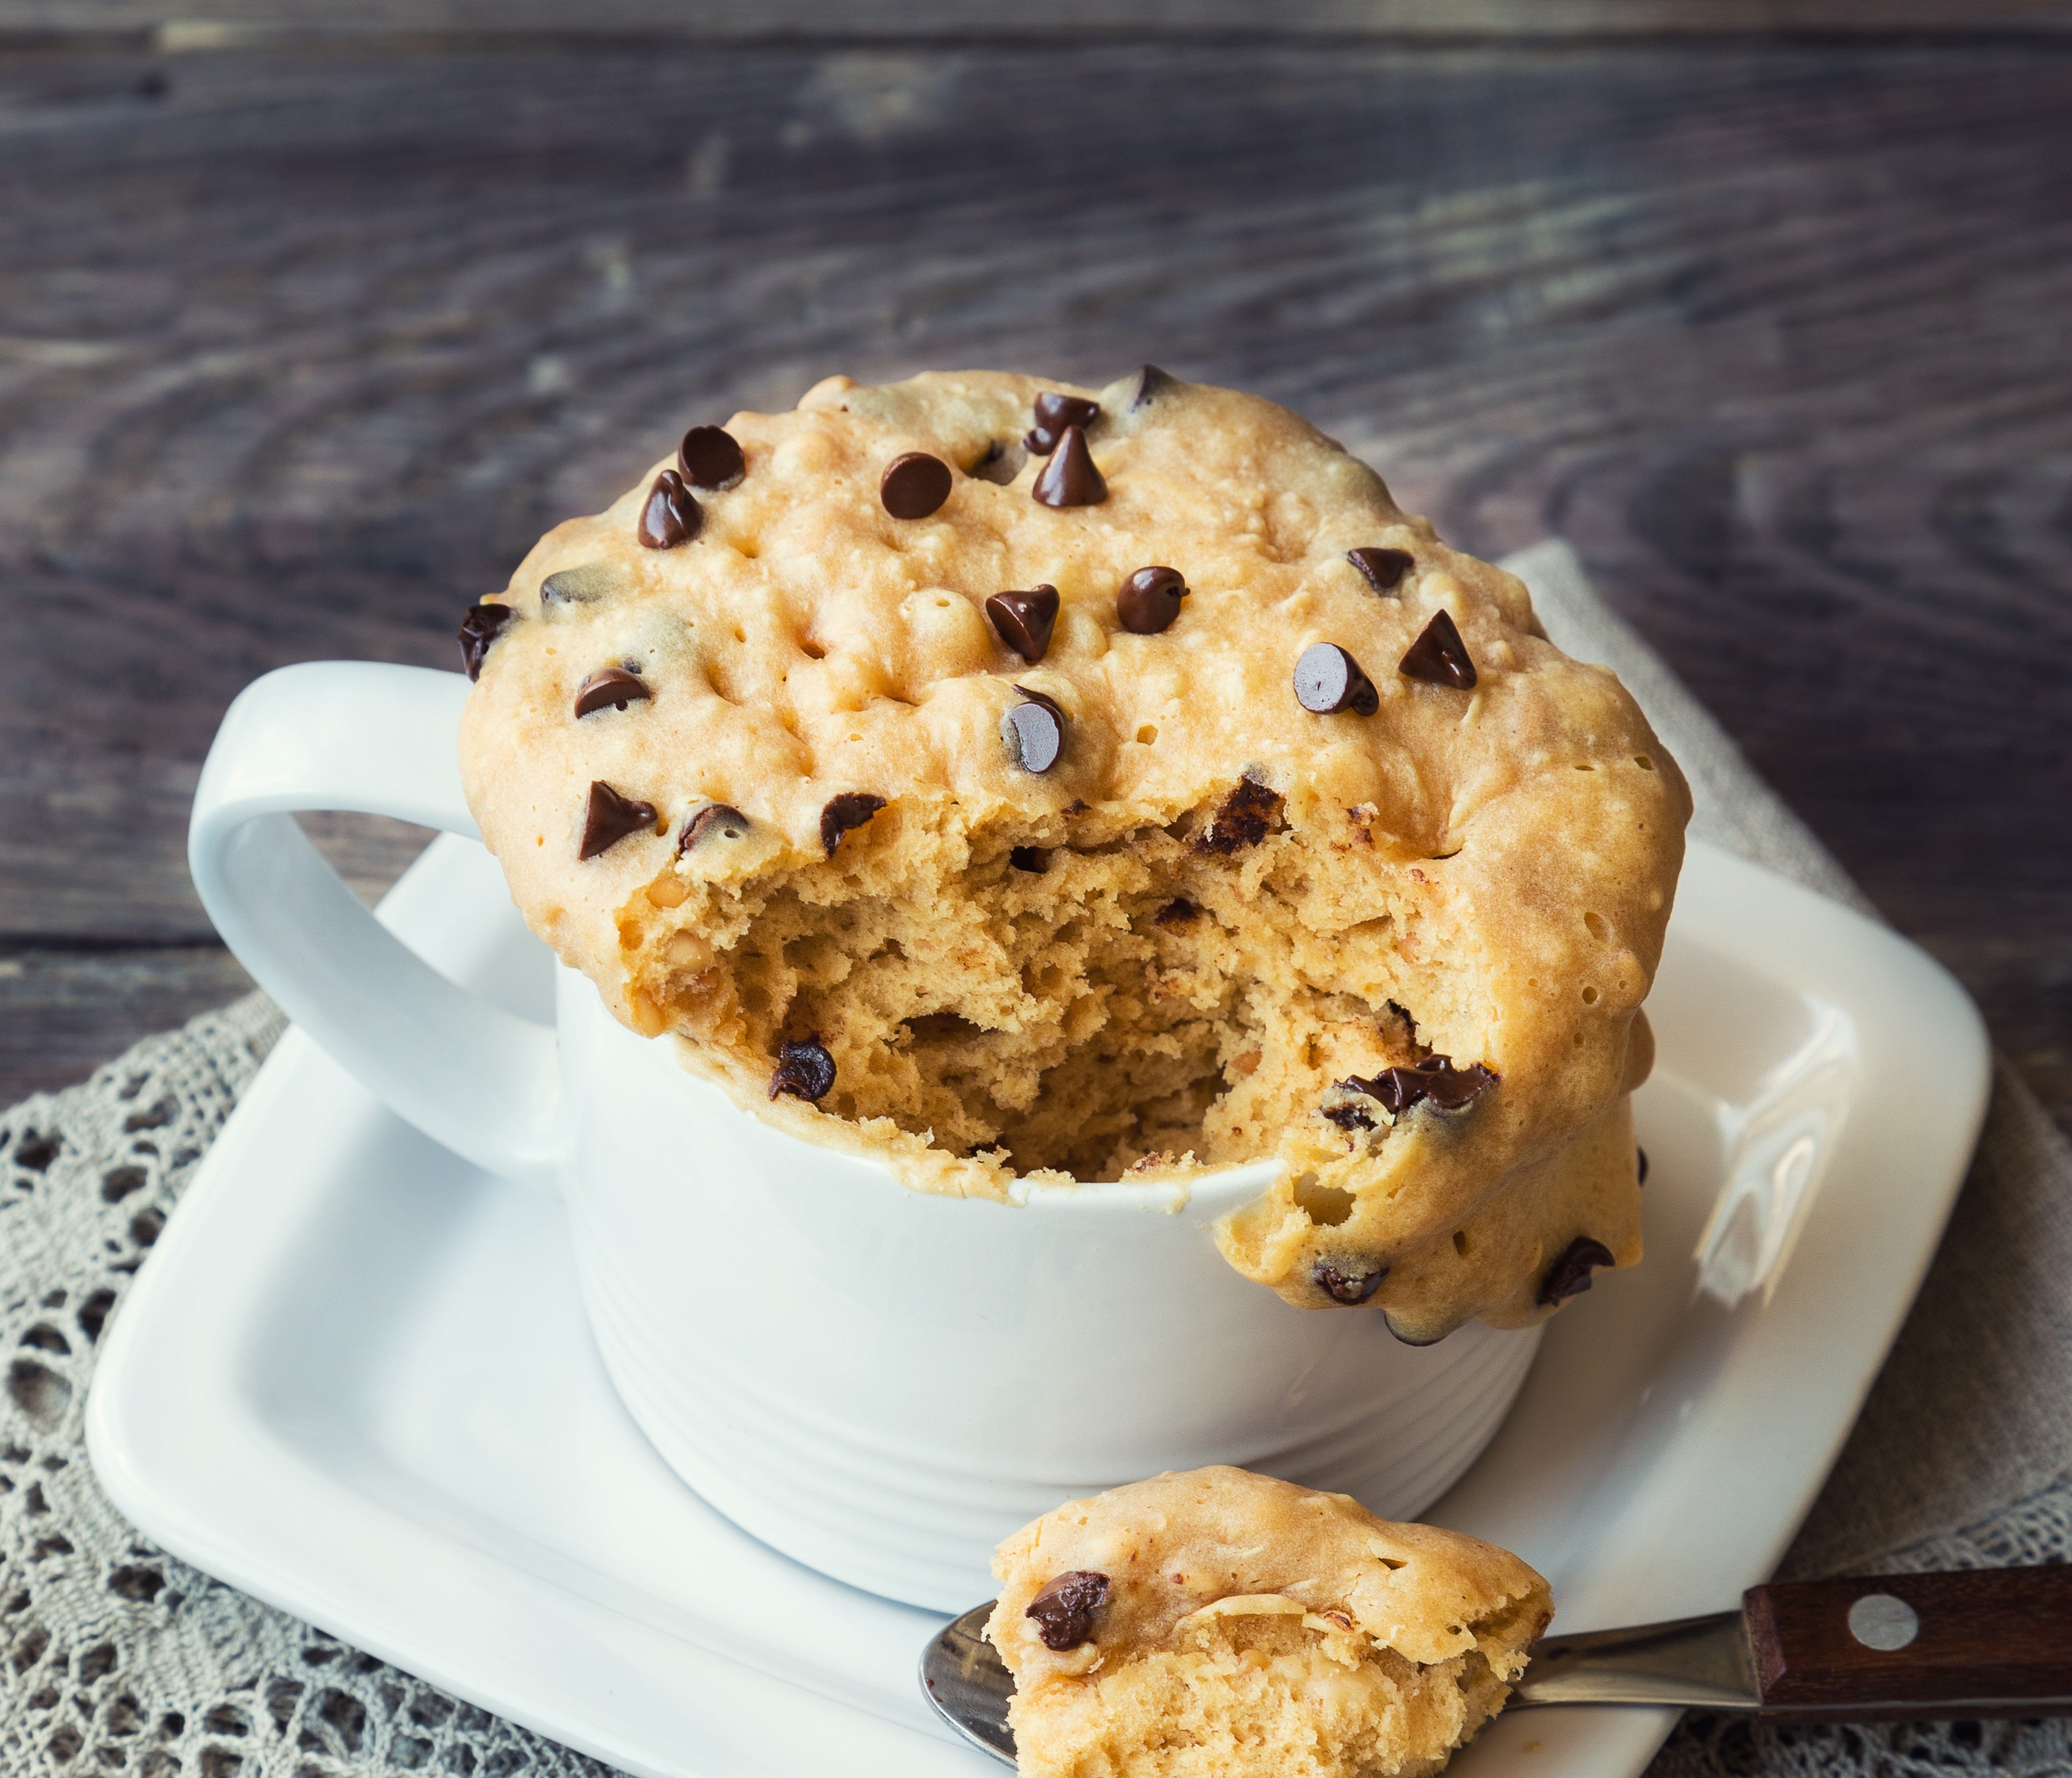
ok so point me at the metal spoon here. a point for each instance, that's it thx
(1989, 1642)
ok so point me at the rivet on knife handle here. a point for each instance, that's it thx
(1987, 1642)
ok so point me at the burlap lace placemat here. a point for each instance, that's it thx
(114, 1658)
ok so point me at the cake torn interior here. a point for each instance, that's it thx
(1077, 997)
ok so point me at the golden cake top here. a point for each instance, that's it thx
(1000, 776)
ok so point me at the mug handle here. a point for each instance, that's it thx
(373, 739)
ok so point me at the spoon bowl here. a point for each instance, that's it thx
(963, 1676)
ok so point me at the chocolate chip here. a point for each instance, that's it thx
(1385, 569)
(728, 823)
(1151, 383)
(478, 627)
(709, 458)
(1439, 657)
(1001, 462)
(1034, 732)
(576, 585)
(914, 485)
(1389, 1321)
(671, 516)
(1642, 1166)
(610, 686)
(1150, 600)
(610, 818)
(851, 809)
(1435, 1078)
(1070, 479)
(1053, 413)
(1177, 915)
(1064, 1609)
(1328, 680)
(804, 1070)
(1342, 1285)
(1247, 815)
(1451, 1088)
(1032, 858)
(1024, 620)
(1570, 1273)
(1351, 1115)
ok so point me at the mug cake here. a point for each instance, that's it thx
(1010, 781)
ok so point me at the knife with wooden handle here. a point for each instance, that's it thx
(1985, 1642)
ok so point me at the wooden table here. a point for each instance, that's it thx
(305, 338)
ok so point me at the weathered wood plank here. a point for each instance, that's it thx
(252, 23)
(304, 350)
(64, 1013)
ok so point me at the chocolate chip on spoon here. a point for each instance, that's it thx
(1064, 1609)
(914, 485)
(1327, 680)
(1385, 569)
(1070, 479)
(1439, 657)
(727, 822)
(1024, 620)
(804, 1070)
(1053, 413)
(850, 809)
(610, 818)
(1150, 600)
(608, 687)
(480, 626)
(1034, 732)
(1343, 1286)
(1570, 1273)
(709, 457)
(671, 516)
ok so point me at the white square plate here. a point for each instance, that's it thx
(355, 1379)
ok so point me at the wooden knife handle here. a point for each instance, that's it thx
(1986, 1642)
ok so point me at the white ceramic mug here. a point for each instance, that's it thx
(881, 1383)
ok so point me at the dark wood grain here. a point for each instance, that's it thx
(302, 350)
(246, 23)
(67, 1007)
(2000, 1638)
(68, 1011)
